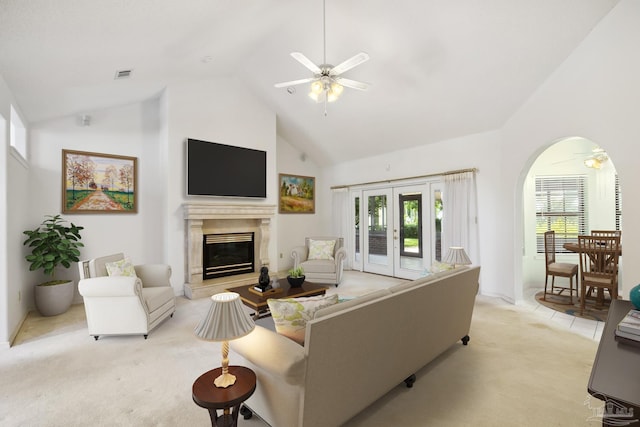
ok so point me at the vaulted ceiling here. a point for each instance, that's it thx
(439, 69)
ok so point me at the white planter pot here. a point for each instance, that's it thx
(54, 299)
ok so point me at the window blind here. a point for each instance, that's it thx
(561, 206)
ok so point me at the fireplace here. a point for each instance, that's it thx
(227, 254)
(203, 219)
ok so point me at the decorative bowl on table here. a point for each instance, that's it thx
(295, 282)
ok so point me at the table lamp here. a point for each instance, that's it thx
(225, 321)
(456, 256)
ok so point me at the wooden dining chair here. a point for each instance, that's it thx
(598, 265)
(561, 269)
(614, 233)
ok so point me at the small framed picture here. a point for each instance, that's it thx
(296, 194)
(98, 183)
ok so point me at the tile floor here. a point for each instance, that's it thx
(589, 328)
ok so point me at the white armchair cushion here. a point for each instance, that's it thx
(318, 266)
(156, 297)
(321, 249)
(122, 267)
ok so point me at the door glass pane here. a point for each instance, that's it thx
(438, 225)
(377, 214)
(357, 255)
(411, 231)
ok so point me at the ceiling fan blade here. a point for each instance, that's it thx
(353, 84)
(306, 62)
(295, 82)
(349, 64)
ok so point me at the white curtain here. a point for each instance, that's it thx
(460, 214)
(340, 219)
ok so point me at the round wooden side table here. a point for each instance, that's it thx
(229, 400)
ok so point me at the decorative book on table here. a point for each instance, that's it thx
(629, 326)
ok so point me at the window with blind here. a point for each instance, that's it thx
(561, 206)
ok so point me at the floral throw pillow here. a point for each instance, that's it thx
(321, 249)
(437, 267)
(291, 315)
(121, 268)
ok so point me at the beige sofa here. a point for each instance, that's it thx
(356, 351)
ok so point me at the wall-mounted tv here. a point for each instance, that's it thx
(224, 170)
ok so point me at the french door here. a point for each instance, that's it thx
(394, 232)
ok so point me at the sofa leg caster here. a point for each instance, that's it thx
(465, 339)
(171, 315)
(246, 412)
(410, 380)
(336, 285)
(145, 336)
(96, 337)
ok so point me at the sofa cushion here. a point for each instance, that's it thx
(350, 303)
(291, 315)
(321, 249)
(121, 267)
(156, 297)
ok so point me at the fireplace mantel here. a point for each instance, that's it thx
(201, 216)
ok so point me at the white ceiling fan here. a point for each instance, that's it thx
(327, 82)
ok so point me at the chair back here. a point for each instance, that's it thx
(549, 247)
(339, 242)
(97, 267)
(599, 260)
(614, 233)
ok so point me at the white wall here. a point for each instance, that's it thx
(292, 228)
(218, 111)
(593, 94)
(474, 151)
(130, 130)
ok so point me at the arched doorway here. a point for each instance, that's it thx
(584, 195)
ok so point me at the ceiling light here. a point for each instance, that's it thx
(593, 163)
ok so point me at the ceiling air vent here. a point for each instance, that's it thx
(123, 74)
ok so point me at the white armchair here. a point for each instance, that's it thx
(125, 305)
(318, 264)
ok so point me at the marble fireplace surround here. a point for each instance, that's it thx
(213, 218)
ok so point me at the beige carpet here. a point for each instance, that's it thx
(517, 370)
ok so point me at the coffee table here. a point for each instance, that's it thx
(259, 302)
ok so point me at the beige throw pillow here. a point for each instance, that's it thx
(291, 315)
(121, 268)
(321, 249)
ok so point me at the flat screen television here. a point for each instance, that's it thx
(224, 170)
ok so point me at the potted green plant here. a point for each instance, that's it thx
(53, 243)
(296, 277)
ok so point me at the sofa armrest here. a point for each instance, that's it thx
(272, 353)
(299, 254)
(116, 286)
(154, 274)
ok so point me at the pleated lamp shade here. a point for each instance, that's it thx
(456, 256)
(225, 321)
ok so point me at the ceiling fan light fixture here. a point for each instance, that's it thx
(593, 163)
(315, 96)
(337, 88)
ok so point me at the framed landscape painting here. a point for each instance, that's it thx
(98, 183)
(296, 194)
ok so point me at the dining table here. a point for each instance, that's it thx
(575, 247)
